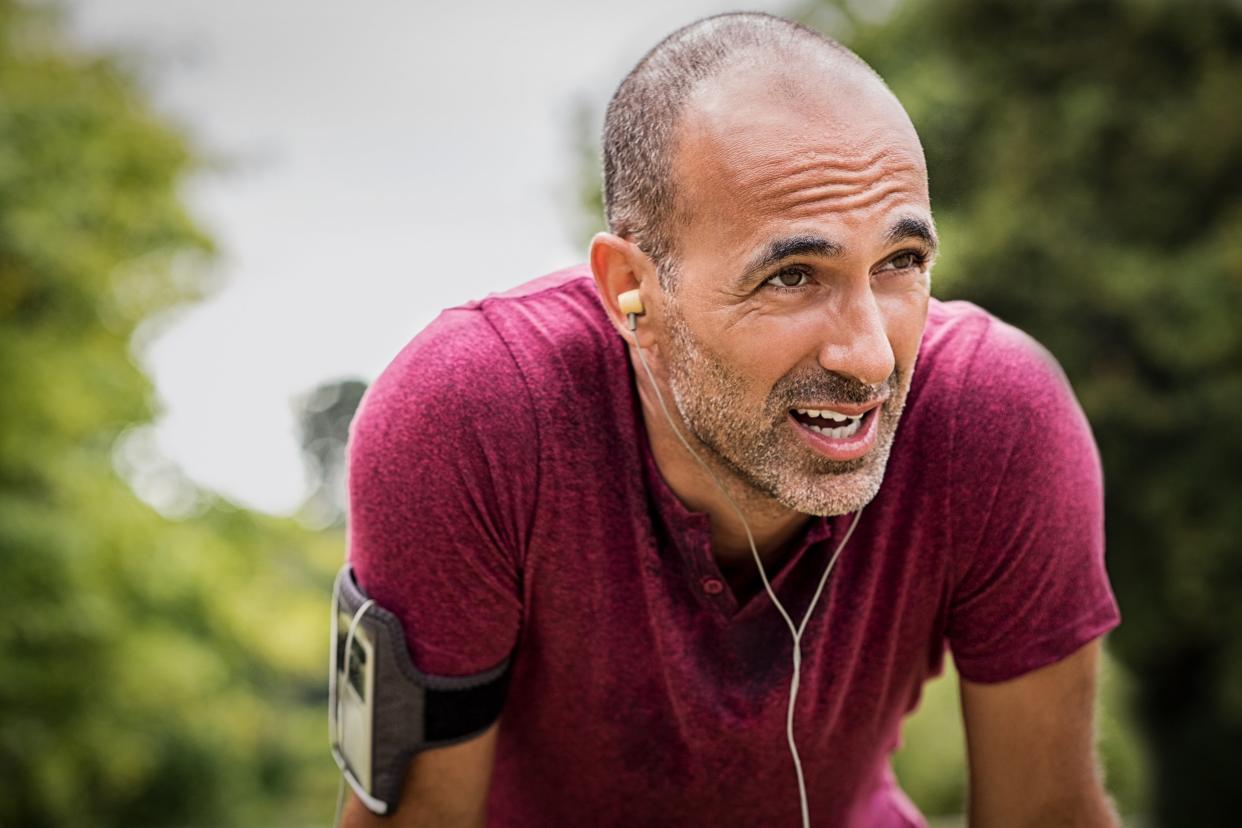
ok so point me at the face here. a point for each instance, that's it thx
(801, 283)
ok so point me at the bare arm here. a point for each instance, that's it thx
(1031, 746)
(444, 788)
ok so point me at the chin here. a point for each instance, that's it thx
(836, 493)
(841, 487)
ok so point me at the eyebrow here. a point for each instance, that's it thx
(781, 249)
(907, 227)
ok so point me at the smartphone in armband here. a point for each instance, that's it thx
(382, 710)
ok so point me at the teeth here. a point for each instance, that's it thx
(839, 433)
(829, 414)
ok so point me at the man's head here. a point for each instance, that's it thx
(775, 193)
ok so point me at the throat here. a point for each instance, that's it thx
(774, 543)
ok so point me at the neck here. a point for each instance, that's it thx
(771, 524)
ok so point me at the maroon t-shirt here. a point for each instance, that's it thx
(504, 501)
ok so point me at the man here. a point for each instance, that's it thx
(520, 492)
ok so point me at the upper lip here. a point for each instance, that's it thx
(850, 410)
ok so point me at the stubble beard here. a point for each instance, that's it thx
(760, 450)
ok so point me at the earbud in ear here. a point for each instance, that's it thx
(632, 306)
(630, 302)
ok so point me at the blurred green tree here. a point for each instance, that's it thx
(1086, 171)
(155, 671)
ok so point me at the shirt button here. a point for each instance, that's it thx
(712, 586)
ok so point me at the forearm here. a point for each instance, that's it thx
(412, 814)
(444, 787)
(1092, 809)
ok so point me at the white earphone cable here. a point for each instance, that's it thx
(797, 631)
(333, 681)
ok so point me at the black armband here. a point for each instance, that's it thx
(382, 709)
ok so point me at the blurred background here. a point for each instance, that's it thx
(219, 221)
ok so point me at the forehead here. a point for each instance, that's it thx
(766, 151)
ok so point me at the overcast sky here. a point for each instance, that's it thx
(390, 158)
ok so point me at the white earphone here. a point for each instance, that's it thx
(631, 304)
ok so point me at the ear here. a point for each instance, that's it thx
(618, 265)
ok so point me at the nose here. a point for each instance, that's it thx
(856, 341)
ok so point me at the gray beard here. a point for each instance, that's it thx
(761, 452)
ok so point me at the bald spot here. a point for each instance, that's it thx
(816, 132)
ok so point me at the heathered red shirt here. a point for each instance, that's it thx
(504, 501)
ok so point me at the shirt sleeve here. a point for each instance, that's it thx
(442, 474)
(1028, 515)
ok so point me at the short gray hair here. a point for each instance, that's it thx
(640, 202)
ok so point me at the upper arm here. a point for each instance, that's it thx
(1028, 584)
(442, 473)
(1030, 596)
(1031, 747)
(444, 788)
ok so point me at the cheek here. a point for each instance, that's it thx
(905, 314)
(767, 347)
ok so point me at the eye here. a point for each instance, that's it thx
(906, 259)
(789, 277)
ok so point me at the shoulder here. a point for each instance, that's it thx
(994, 380)
(481, 391)
(1021, 456)
(556, 330)
(1025, 502)
(998, 418)
(452, 372)
(477, 360)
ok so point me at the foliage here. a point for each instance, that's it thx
(1086, 162)
(156, 672)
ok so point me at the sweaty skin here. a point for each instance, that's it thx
(830, 161)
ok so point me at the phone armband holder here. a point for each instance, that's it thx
(382, 709)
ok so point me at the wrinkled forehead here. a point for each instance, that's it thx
(756, 135)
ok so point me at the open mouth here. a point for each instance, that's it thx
(831, 423)
(846, 432)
